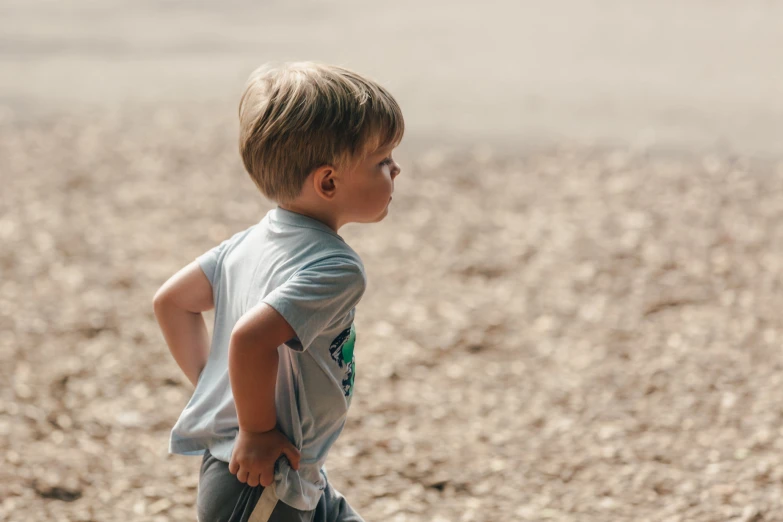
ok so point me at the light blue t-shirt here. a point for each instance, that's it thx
(305, 271)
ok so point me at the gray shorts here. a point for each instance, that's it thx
(222, 498)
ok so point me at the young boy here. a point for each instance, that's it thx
(273, 391)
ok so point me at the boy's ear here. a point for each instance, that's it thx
(324, 181)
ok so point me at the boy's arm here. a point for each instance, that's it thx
(178, 305)
(252, 368)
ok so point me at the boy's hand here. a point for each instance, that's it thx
(254, 456)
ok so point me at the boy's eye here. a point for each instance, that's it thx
(386, 161)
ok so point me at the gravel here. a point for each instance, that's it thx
(558, 333)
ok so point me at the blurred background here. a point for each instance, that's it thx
(573, 310)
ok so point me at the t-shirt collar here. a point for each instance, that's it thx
(282, 215)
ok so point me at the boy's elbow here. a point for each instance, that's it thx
(243, 336)
(159, 301)
(260, 328)
(239, 337)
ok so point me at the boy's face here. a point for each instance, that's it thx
(368, 187)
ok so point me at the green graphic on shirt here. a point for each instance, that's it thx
(341, 351)
(348, 346)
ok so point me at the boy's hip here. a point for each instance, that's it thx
(222, 497)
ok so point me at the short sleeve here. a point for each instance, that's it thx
(316, 296)
(209, 261)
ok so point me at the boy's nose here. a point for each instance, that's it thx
(396, 169)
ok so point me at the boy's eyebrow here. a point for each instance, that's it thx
(383, 150)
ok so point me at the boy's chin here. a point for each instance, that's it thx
(382, 215)
(374, 219)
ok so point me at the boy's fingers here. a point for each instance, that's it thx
(292, 454)
(265, 478)
(233, 467)
(242, 475)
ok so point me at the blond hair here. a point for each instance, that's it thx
(297, 117)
